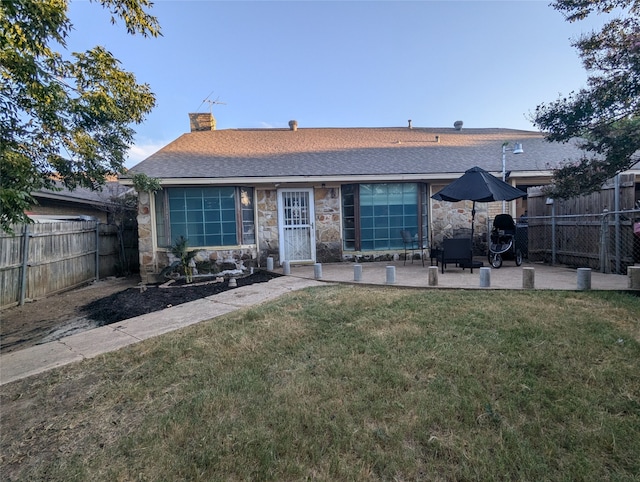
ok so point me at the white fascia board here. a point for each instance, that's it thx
(530, 174)
(235, 181)
(256, 180)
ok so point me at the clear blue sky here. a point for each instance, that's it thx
(342, 63)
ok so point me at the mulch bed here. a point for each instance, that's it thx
(135, 302)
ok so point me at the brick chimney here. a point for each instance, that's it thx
(202, 122)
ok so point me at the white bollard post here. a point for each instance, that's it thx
(286, 267)
(485, 277)
(317, 270)
(633, 272)
(357, 272)
(232, 283)
(433, 276)
(391, 275)
(270, 263)
(528, 278)
(584, 278)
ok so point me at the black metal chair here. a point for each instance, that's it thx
(458, 251)
(411, 243)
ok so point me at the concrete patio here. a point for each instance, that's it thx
(509, 276)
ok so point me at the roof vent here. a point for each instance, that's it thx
(457, 125)
(410, 127)
(203, 121)
(293, 125)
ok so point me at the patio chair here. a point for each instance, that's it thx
(412, 244)
(458, 251)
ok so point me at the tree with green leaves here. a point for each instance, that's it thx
(63, 117)
(605, 115)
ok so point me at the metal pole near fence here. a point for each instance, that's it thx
(25, 264)
(98, 251)
(616, 218)
(604, 244)
(553, 233)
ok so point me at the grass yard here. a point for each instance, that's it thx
(350, 383)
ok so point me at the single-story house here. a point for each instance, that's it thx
(79, 203)
(323, 194)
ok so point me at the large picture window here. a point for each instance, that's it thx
(374, 214)
(206, 216)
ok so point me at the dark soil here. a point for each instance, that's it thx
(135, 302)
(99, 303)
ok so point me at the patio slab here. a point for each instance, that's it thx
(508, 277)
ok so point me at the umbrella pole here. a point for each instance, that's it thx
(473, 218)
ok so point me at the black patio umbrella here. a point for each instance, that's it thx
(478, 185)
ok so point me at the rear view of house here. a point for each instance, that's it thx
(309, 195)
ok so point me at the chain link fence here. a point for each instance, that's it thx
(608, 242)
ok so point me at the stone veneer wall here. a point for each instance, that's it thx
(450, 220)
(146, 255)
(267, 221)
(328, 225)
(447, 220)
(454, 219)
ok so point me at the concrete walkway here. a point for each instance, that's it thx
(88, 344)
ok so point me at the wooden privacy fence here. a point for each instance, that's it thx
(599, 231)
(43, 259)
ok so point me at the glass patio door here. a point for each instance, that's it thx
(297, 235)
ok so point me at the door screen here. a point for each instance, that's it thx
(297, 238)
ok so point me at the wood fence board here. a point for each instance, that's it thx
(60, 256)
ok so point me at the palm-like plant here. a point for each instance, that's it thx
(180, 249)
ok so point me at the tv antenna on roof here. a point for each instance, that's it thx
(211, 103)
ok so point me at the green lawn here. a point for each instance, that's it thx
(350, 383)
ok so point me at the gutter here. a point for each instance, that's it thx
(235, 181)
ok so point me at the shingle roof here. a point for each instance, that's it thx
(103, 196)
(277, 153)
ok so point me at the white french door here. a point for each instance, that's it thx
(296, 227)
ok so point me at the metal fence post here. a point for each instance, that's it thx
(617, 223)
(25, 264)
(98, 251)
(604, 243)
(553, 232)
